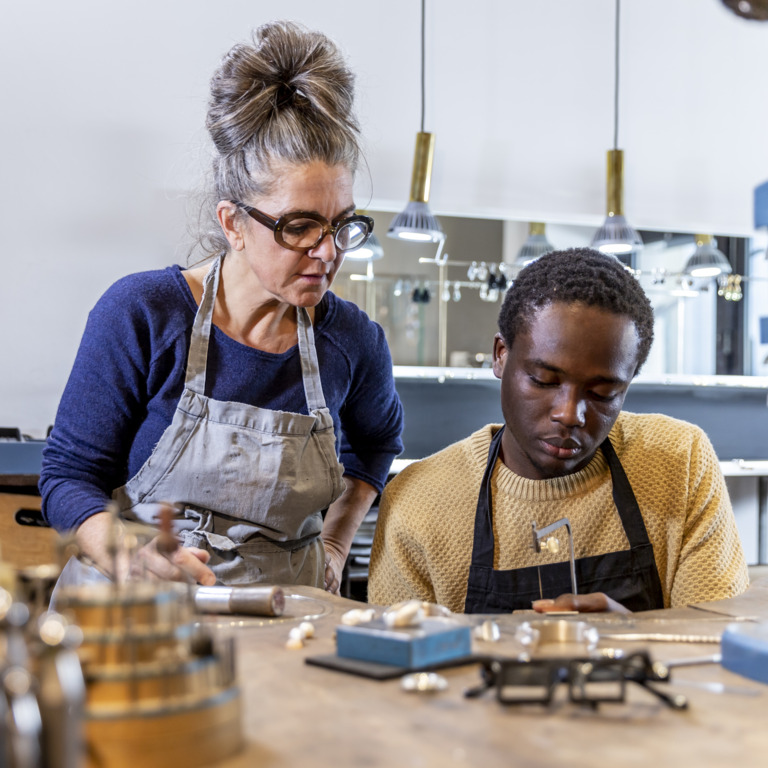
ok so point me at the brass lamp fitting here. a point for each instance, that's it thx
(615, 183)
(422, 167)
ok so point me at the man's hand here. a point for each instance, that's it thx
(595, 602)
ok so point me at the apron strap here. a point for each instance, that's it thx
(634, 525)
(624, 499)
(310, 368)
(482, 549)
(197, 358)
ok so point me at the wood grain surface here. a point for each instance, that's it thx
(300, 715)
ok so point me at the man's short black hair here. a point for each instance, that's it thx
(577, 275)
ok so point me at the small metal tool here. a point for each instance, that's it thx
(694, 661)
(543, 542)
(659, 637)
(252, 601)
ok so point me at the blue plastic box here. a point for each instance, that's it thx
(434, 641)
(744, 650)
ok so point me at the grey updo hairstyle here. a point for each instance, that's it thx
(287, 97)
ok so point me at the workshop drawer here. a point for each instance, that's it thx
(25, 545)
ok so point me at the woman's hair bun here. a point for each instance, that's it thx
(286, 69)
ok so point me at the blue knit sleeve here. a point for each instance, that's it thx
(105, 399)
(372, 415)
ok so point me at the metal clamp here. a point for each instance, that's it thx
(543, 542)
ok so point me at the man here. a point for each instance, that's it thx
(643, 494)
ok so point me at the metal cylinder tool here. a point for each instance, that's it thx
(252, 601)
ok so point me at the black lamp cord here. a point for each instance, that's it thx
(423, 46)
(616, 81)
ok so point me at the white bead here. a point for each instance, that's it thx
(406, 614)
(357, 616)
(308, 628)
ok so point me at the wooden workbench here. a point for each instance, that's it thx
(301, 715)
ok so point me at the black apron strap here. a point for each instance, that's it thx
(624, 498)
(482, 549)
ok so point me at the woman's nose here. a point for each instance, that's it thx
(325, 250)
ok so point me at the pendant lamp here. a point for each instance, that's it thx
(536, 244)
(707, 260)
(616, 237)
(416, 222)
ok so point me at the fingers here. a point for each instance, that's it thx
(193, 561)
(184, 564)
(202, 555)
(562, 603)
(332, 582)
(594, 602)
(334, 567)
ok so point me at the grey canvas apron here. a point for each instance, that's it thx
(252, 483)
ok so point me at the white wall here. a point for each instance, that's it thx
(103, 106)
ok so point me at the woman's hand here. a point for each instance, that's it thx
(342, 520)
(182, 564)
(101, 539)
(595, 602)
(334, 567)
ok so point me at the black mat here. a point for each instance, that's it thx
(377, 671)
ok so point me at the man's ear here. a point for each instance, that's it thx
(499, 355)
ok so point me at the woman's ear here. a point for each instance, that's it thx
(499, 355)
(231, 224)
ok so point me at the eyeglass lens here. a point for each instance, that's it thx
(307, 233)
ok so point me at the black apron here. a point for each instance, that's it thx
(630, 576)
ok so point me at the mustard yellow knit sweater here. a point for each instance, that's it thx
(423, 542)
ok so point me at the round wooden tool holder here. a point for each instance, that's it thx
(160, 689)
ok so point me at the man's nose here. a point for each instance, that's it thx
(569, 408)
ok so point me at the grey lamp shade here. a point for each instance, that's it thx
(535, 245)
(616, 236)
(707, 260)
(417, 223)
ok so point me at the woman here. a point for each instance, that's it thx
(232, 388)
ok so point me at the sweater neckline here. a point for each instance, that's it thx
(525, 489)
